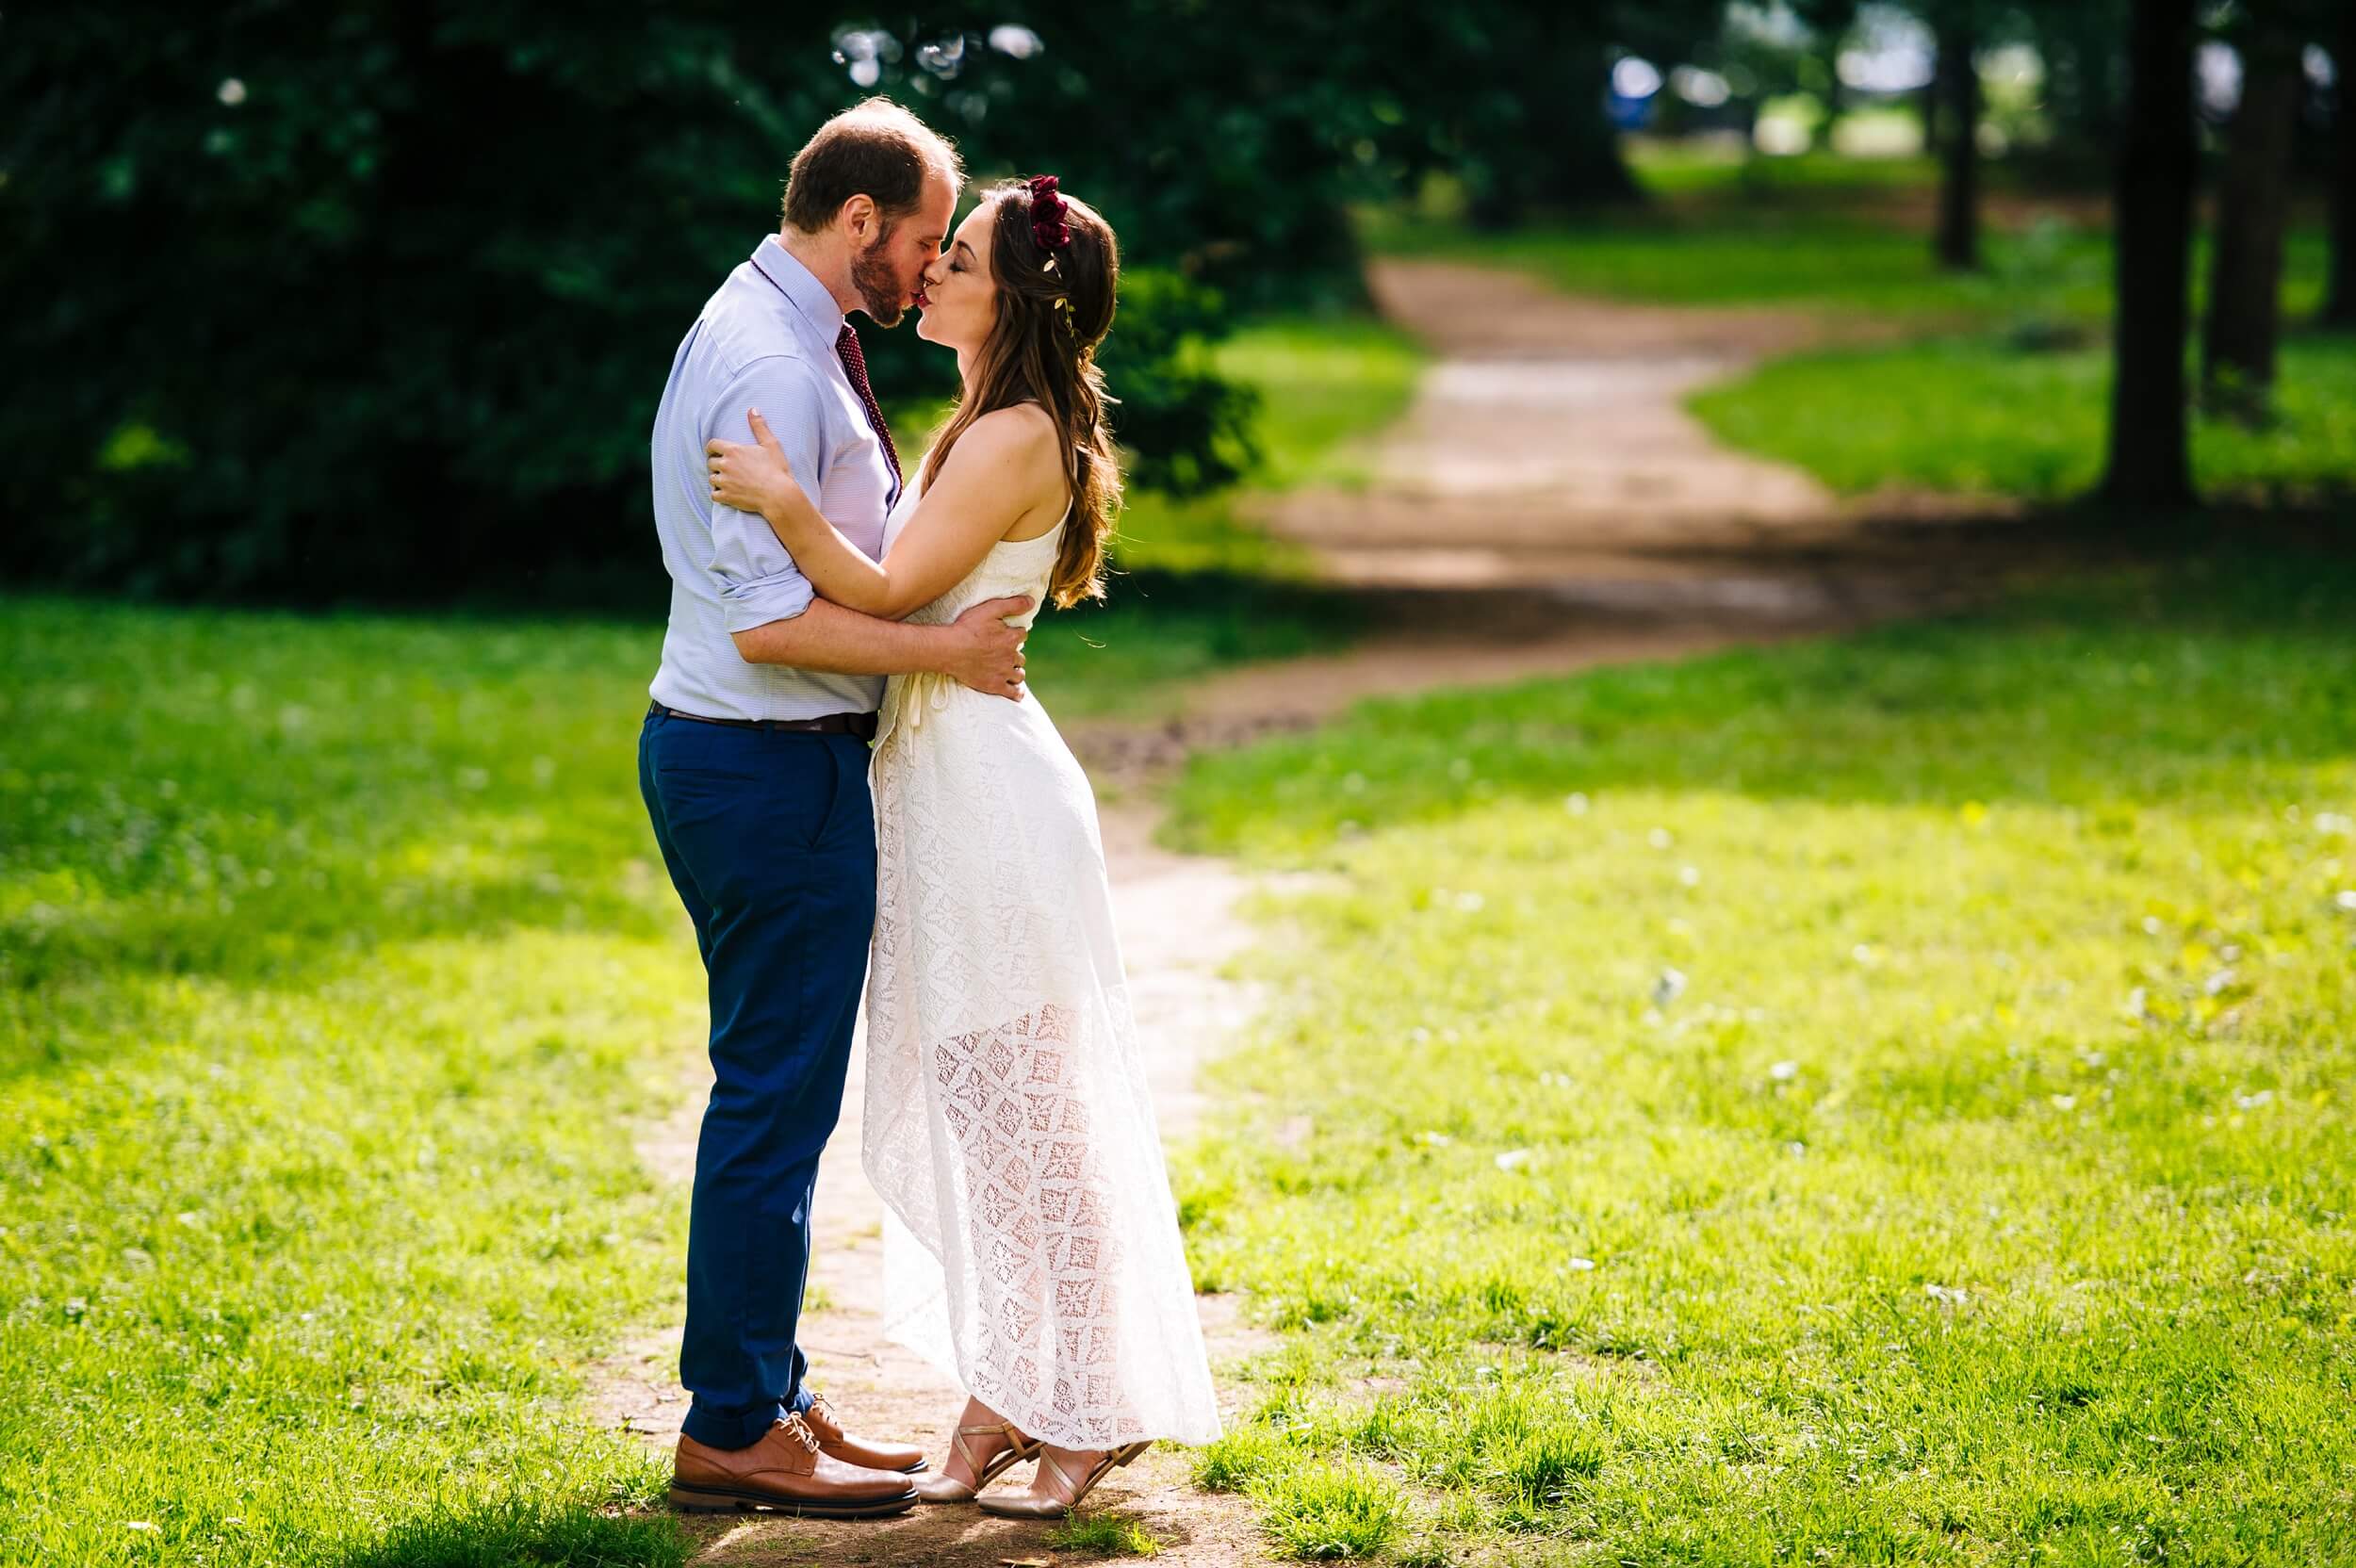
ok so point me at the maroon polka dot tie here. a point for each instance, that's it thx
(855, 366)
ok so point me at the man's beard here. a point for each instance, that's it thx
(879, 292)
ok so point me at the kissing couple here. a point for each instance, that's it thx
(850, 780)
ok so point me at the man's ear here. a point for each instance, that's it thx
(859, 220)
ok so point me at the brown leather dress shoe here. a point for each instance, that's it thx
(784, 1472)
(904, 1457)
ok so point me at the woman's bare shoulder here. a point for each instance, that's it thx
(1016, 432)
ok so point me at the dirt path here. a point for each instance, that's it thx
(1545, 506)
(1548, 449)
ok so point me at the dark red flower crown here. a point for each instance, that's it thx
(1047, 215)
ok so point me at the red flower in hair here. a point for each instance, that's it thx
(1047, 215)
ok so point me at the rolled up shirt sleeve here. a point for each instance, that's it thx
(753, 573)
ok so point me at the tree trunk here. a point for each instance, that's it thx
(2339, 305)
(2149, 462)
(1956, 87)
(2237, 342)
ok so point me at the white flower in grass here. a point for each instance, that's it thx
(1690, 876)
(2345, 899)
(1954, 1295)
(1863, 953)
(1434, 1140)
(231, 92)
(2065, 1102)
(138, 1525)
(1668, 988)
(1576, 802)
(2254, 1102)
(1659, 838)
(1513, 1159)
(1784, 1071)
(1581, 1265)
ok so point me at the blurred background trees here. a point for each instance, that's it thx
(375, 299)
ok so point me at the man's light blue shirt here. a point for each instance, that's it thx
(765, 340)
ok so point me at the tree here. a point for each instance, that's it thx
(2339, 307)
(1509, 99)
(2149, 462)
(2085, 92)
(376, 298)
(1955, 86)
(2238, 344)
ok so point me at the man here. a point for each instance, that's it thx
(753, 764)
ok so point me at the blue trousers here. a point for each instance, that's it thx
(770, 839)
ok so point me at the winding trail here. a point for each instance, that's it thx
(1544, 506)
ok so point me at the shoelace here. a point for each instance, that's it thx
(798, 1429)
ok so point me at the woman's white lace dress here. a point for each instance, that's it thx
(1031, 1245)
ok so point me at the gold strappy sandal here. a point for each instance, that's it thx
(1029, 1505)
(945, 1488)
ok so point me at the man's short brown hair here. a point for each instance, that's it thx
(875, 149)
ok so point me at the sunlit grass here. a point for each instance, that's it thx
(1104, 1534)
(335, 968)
(1878, 1100)
(1975, 414)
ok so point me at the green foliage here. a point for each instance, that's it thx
(1879, 1100)
(377, 304)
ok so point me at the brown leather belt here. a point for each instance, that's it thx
(861, 724)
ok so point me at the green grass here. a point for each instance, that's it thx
(1677, 170)
(1104, 1534)
(332, 963)
(336, 963)
(1876, 1100)
(1804, 256)
(1825, 258)
(1975, 414)
(2002, 388)
(1840, 236)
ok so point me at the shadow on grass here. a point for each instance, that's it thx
(504, 1535)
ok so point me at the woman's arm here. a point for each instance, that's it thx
(989, 481)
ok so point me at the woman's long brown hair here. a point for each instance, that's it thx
(1054, 308)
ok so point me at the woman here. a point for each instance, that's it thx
(1032, 1249)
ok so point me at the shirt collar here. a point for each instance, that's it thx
(800, 286)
